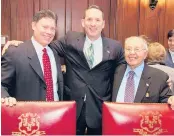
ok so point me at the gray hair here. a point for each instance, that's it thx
(136, 38)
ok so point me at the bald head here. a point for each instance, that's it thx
(135, 51)
(136, 39)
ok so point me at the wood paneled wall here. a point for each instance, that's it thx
(123, 18)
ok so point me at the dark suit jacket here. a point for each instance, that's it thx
(96, 83)
(168, 60)
(22, 76)
(153, 82)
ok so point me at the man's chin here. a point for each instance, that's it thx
(47, 42)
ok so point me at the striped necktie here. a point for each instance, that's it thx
(89, 54)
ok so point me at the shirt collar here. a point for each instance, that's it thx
(171, 52)
(138, 70)
(93, 42)
(38, 47)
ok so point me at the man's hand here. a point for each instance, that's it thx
(16, 43)
(171, 102)
(8, 101)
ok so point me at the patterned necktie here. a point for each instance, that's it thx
(129, 91)
(89, 54)
(48, 75)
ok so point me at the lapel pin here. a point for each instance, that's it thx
(147, 94)
(147, 84)
(108, 51)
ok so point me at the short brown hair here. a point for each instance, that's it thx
(94, 7)
(156, 52)
(45, 13)
(170, 33)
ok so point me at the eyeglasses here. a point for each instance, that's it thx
(135, 50)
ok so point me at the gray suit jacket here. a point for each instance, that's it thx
(153, 82)
(22, 76)
(168, 60)
(166, 69)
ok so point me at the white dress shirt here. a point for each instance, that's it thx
(38, 47)
(98, 49)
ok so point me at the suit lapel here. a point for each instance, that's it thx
(80, 45)
(143, 85)
(106, 52)
(33, 60)
(170, 58)
(118, 77)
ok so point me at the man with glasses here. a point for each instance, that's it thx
(90, 60)
(136, 81)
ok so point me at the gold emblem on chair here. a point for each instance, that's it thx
(29, 125)
(150, 124)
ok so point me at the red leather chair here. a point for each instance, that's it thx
(39, 118)
(137, 118)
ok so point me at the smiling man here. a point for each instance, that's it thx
(90, 60)
(90, 63)
(32, 71)
(136, 81)
(170, 52)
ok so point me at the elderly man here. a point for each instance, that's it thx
(90, 60)
(136, 81)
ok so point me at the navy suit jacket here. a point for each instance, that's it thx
(168, 60)
(96, 83)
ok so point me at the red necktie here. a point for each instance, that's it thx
(48, 75)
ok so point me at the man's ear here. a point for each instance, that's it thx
(33, 24)
(146, 55)
(83, 22)
(103, 24)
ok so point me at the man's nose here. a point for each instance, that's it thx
(49, 31)
(132, 51)
(93, 23)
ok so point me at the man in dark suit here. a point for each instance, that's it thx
(90, 61)
(89, 72)
(136, 81)
(170, 52)
(32, 72)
